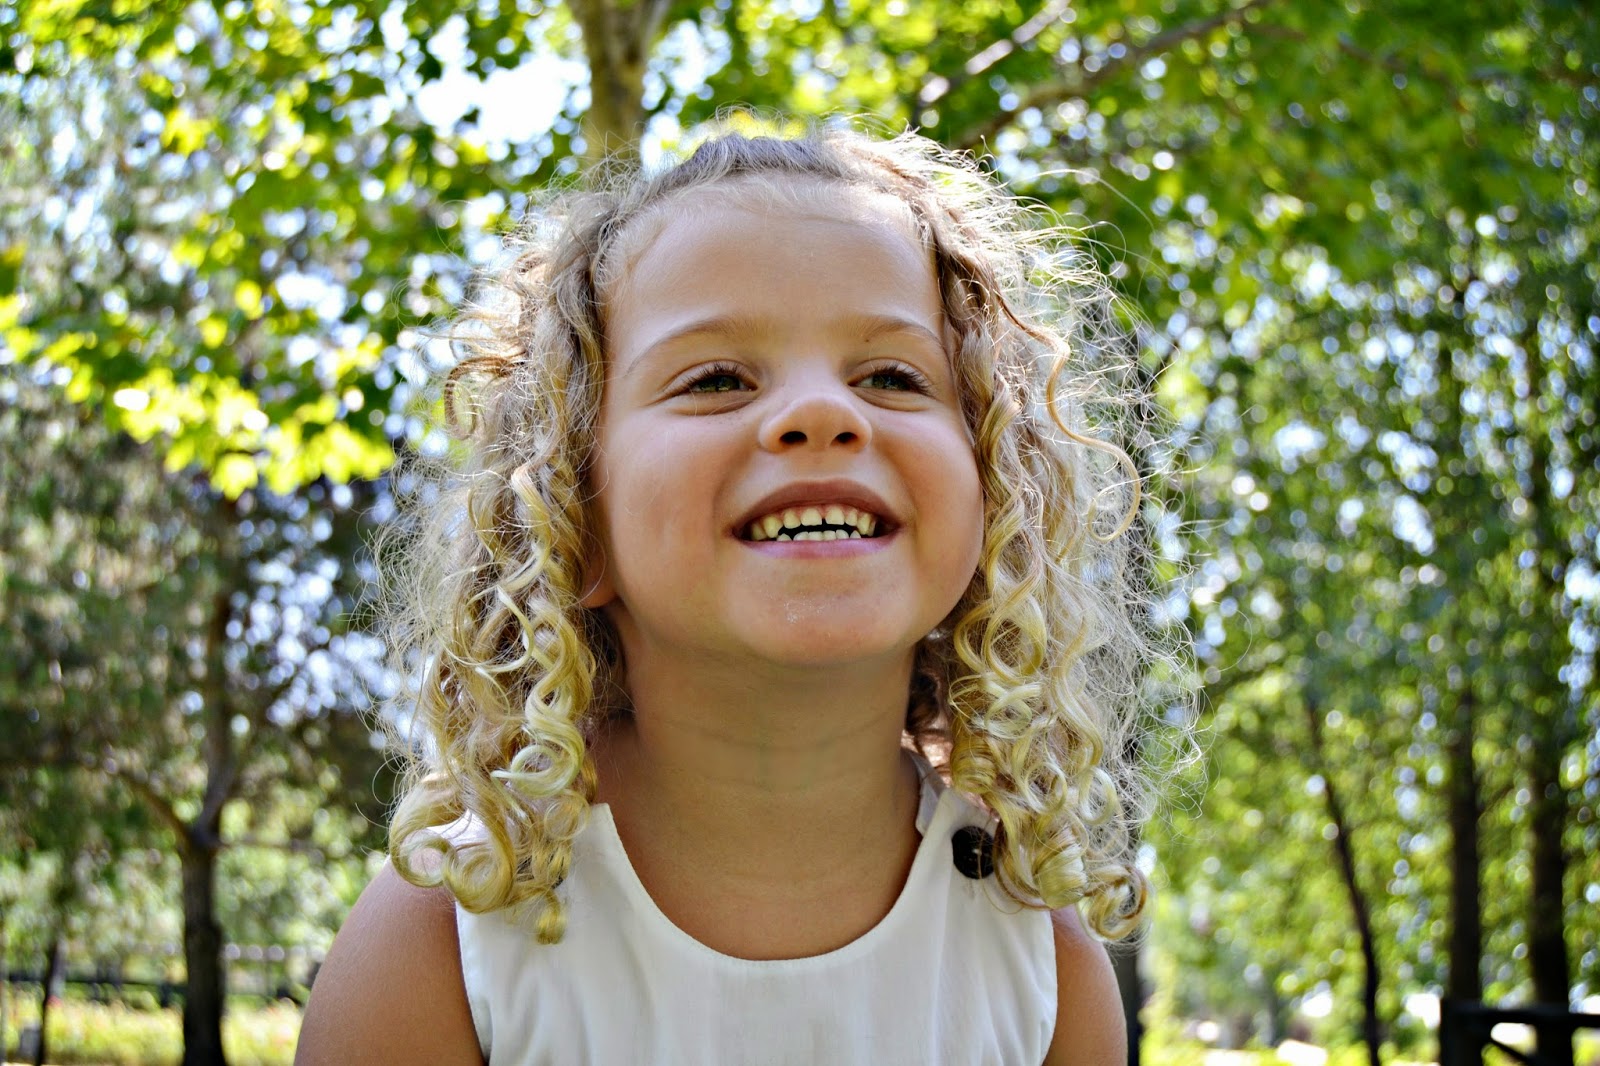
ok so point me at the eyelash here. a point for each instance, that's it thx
(710, 373)
(916, 380)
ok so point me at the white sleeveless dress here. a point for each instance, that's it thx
(955, 973)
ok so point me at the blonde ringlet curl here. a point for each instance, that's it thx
(1034, 683)
(511, 660)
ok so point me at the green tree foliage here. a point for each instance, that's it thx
(1404, 410)
(1363, 236)
(180, 678)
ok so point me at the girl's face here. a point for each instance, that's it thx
(773, 371)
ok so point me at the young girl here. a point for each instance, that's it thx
(780, 651)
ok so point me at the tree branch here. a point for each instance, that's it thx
(257, 717)
(140, 786)
(1082, 82)
(1395, 65)
(1235, 677)
(938, 86)
(1361, 909)
(289, 844)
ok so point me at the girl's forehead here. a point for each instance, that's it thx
(795, 196)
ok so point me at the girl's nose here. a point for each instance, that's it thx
(817, 415)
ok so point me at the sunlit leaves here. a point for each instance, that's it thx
(229, 205)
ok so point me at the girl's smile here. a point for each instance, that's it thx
(818, 520)
(783, 470)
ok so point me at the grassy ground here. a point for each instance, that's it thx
(93, 1034)
(1290, 1053)
(96, 1034)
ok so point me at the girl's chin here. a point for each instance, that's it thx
(840, 648)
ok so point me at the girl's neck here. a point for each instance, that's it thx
(726, 747)
(790, 787)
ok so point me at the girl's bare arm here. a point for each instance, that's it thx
(390, 991)
(1089, 1027)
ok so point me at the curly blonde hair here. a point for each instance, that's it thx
(1030, 696)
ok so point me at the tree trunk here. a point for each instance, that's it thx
(202, 954)
(1547, 946)
(5, 982)
(1550, 650)
(201, 839)
(1371, 1026)
(1465, 982)
(1458, 519)
(617, 38)
(52, 977)
(1125, 962)
(1276, 1011)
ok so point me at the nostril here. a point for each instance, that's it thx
(845, 438)
(794, 436)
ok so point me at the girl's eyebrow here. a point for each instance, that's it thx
(730, 325)
(875, 326)
(733, 326)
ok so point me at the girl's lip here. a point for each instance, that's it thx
(819, 494)
(820, 549)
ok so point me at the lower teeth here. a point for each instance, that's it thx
(823, 535)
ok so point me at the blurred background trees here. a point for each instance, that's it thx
(1362, 237)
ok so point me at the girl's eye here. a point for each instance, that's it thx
(714, 379)
(896, 378)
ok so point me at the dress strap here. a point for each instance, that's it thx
(932, 788)
(972, 845)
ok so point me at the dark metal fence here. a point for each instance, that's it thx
(249, 973)
(1466, 1030)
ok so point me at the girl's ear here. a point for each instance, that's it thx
(598, 588)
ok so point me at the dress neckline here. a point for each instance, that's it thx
(935, 810)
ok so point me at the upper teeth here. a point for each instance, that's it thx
(811, 523)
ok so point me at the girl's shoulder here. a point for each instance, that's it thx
(391, 989)
(1090, 1027)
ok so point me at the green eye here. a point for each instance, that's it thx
(716, 377)
(896, 376)
(718, 381)
(890, 380)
